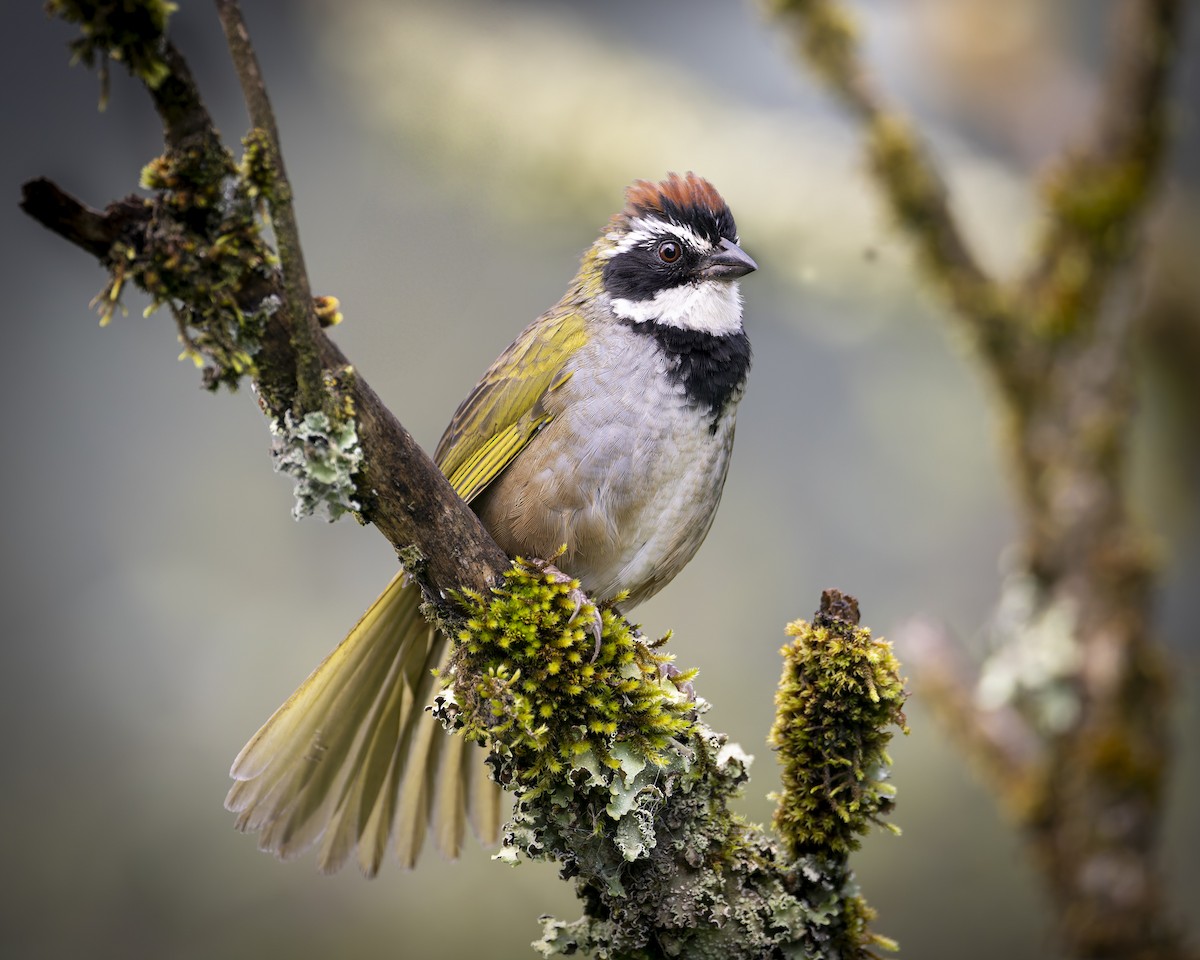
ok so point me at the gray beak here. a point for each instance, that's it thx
(727, 262)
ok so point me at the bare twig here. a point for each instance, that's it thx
(296, 291)
(91, 230)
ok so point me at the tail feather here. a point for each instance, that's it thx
(412, 817)
(485, 803)
(335, 671)
(350, 759)
(450, 792)
(294, 768)
(377, 828)
(387, 756)
(380, 755)
(312, 797)
(378, 761)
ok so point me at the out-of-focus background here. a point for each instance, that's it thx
(450, 163)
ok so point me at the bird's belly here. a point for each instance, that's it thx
(629, 492)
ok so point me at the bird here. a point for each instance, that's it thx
(601, 438)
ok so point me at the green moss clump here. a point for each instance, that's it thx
(202, 254)
(895, 157)
(1091, 198)
(128, 31)
(532, 681)
(838, 698)
(615, 779)
(259, 169)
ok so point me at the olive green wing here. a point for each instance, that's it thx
(505, 410)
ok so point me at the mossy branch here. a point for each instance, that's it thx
(196, 245)
(618, 780)
(827, 36)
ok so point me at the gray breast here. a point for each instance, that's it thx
(627, 475)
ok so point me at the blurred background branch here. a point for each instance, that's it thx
(1059, 346)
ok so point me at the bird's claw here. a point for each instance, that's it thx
(579, 598)
(668, 671)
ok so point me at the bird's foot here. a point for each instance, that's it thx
(668, 671)
(578, 597)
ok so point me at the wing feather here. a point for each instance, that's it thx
(504, 411)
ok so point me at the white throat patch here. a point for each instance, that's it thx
(710, 306)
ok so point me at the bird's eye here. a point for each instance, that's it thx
(669, 251)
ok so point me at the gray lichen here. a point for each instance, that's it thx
(697, 882)
(322, 457)
(1035, 656)
(617, 780)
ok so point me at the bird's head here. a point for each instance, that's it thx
(671, 257)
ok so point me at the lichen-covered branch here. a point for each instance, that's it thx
(195, 245)
(1068, 716)
(618, 780)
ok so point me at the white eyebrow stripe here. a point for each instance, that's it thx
(645, 229)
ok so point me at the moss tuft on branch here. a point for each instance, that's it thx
(532, 680)
(838, 699)
(128, 31)
(202, 249)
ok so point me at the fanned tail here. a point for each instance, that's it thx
(351, 759)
